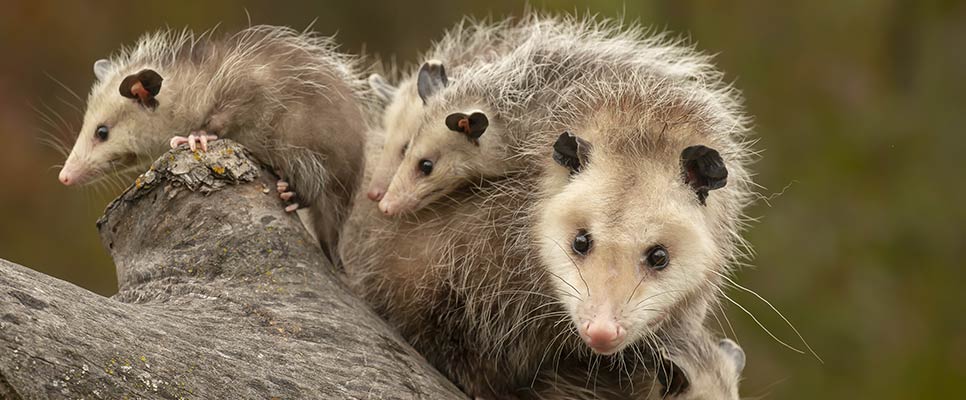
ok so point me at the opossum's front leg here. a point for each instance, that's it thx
(283, 189)
(193, 139)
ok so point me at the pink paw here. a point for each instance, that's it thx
(286, 195)
(193, 140)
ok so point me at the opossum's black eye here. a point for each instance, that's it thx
(657, 257)
(582, 242)
(426, 167)
(101, 133)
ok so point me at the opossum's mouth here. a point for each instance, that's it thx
(408, 203)
(428, 198)
(117, 165)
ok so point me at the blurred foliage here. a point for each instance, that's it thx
(860, 240)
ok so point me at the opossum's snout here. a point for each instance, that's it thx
(74, 172)
(603, 333)
(388, 204)
(392, 204)
(375, 193)
(68, 176)
(379, 184)
(381, 177)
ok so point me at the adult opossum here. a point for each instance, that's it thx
(484, 280)
(286, 95)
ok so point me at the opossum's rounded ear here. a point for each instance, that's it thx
(734, 351)
(472, 125)
(143, 87)
(431, 78)
(571, 152)
(672, 378)
(704, 170)
(384, 90)
(101, 68)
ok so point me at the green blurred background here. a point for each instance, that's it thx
(857, 104)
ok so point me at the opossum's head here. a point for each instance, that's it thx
(703, 371)
(448, 147)
(629, 238)
(119, 110)
(399, 122)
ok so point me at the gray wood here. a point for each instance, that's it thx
(222, 295)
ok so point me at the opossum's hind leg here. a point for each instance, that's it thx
(193, 139)
(282, 186)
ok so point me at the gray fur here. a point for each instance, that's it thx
(462, 279)
(288, 96)
(382, 89)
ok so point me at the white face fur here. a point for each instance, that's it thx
(644, 249)
(112, 135)
(400, 122)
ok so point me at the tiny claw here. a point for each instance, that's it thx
(287, 195)
(292, 207)
(204, 142)
(178, 141)
(192, 142)
(281, 186)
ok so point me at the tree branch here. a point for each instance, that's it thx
(221, 295)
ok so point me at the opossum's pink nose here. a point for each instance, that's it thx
(386, 207)
(604, 336)
(375, 194)
(65, 178)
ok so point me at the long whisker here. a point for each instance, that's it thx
(762, 326)
(790, 325)
(65, 87)
(71, 105)
(542, 358)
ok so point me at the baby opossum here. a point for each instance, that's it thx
(698, 367)
(691, 366)
(287, 96)
(619, 233)
(467, 44)
(446, 130)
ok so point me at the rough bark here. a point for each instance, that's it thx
(222, 295)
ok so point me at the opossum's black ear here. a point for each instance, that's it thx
(704, 170)
(101, 68)
(571, 151)
(733, 350)
(472, 125)
(672, 378)
(431, 78)
(143, 87)
(383, 89)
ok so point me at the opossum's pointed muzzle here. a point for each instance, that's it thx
(65, 178)
(375, 193)
(71, 173)
(603, 333)
(392, 204)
